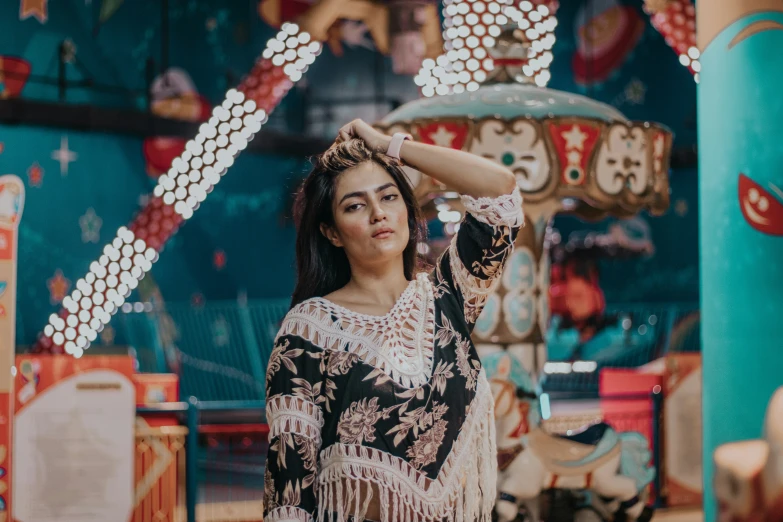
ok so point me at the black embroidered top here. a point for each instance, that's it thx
(391, 417)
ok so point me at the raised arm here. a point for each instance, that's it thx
(471, 267)
(466, 173)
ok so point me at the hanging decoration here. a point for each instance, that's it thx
(14, 73)
(35, 8)
(676, 21)
(179, 192)
(606, 34)
(471, 28)
(174, 96)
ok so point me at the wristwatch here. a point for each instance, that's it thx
(396, 144)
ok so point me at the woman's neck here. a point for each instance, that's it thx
(373, 289)
(381, 287)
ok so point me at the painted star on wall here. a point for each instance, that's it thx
(64, 156)
(35, 175)
(219, 259)
(90, 223)
(58, 287)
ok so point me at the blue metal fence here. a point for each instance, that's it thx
(220, 350)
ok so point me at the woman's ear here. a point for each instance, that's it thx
(331, 234)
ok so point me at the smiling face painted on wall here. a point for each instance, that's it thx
(726, 27)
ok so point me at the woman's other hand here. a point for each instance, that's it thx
(374, 139)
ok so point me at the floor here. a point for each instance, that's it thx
(679, 515)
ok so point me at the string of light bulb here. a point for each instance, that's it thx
(179, 192)
(471, 27)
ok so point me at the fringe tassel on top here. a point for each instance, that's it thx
(463, 491)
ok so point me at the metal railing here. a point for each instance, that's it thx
(226, 445)
(220, 350)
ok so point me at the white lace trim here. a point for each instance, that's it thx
(475, 290)
(400, 343)
(288, 514)
(464, 490)
(504, 210)
(290, 414)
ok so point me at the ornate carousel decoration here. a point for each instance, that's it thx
(569, 153)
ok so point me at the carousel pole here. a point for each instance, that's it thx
(741, 213)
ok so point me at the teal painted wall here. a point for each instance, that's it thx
(241, 219)
(741, 235)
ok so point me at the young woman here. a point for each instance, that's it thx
(376, 401)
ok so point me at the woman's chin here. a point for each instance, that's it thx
(383, 251)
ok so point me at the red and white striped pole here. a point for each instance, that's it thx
(193, 175)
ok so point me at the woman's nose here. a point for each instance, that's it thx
(377, 212)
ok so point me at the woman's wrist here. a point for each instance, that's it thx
(383, 143)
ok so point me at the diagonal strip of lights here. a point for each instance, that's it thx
(471, 27)
(676, 21)
(192, 176)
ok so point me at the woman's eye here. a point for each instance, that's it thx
(390, 197)
(352, 208)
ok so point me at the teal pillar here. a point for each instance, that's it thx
(740, 122)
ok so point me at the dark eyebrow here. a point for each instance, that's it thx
(360, 194)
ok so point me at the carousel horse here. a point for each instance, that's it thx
(749, 474)
(612, 466)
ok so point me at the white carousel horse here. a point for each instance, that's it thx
(749, 474)
(611, 465)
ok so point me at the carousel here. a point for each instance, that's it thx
(570, 155)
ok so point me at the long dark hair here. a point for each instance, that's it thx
(322, 267)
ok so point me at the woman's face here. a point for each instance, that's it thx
(370, 216)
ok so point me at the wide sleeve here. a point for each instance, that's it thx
(471, 266)
(295, 418)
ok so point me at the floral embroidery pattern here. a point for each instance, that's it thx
(425, 450)
(467, 367)
(335, 363)
(281, 354)
(357, 423)
(270, 494)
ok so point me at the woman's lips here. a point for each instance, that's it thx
(762, 210)
(383, 233)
